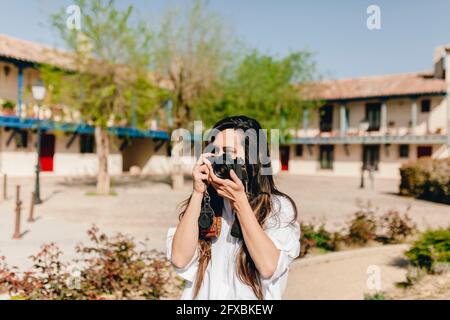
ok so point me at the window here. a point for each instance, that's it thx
(299, 150)
(373, 116)
(326, 118)
(426, 105)
(403, 151)
(21, 137)
(371, 157)
(87, 143)
(424, 151)
(326, 156)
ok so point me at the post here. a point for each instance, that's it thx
(37, 186)
(17, 234)
(413, 116)
(361, 185)
(305, 121)
(371, 177)
(19, 90)
(5, 186)
(133, 111)
(31, 216)
(343, 119)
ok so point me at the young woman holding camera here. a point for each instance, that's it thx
(235, 238)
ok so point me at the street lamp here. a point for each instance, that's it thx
(38, 90)
(363, 127)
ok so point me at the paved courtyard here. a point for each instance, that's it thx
(145, 208)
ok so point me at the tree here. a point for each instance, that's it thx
(108, 80)
(267, 89)
(192, 51)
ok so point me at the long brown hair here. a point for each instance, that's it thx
(261, 190)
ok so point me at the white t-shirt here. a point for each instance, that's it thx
(221, 280)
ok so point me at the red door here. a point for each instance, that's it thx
(284, 158)
(47, 152)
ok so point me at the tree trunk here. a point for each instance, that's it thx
(177, 176)
(102, 146)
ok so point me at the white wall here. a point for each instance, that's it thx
(66, 161)
(18, 163)
(83, 164)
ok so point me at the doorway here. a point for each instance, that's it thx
(326, 156)
(373, 116)
(371, 157)
(47, 152)
(284, 157)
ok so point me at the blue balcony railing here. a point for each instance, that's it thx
(49, 125)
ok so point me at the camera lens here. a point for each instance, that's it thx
(221, 170)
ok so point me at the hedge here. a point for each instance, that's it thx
(427, 179)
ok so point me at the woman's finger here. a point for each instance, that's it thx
(215, 185)
(209, 165)
(218, 180)
(204, 168)
(223, 194)
(202, 159)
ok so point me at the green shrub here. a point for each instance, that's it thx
(8, 105)
(362, 227)
(366, 225)
(395, 228)
(375, 296)
(313, 236)
(427, 179)
(432, 249)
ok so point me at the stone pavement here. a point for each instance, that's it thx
(146, 208)
(344, 275)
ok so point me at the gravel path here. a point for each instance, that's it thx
(344, 275)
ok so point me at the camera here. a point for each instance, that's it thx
(223, 164)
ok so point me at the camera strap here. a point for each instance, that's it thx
(209, 222)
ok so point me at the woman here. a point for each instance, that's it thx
(253, 262)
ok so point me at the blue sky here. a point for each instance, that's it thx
(335, 30)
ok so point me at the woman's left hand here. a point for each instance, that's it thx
(232, 190)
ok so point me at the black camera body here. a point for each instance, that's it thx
(223, 164)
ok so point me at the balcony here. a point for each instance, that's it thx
(59, 118)
(372, 137)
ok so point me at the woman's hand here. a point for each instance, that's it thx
(201, 173)
(232, 190)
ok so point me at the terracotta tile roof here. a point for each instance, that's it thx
(377, 86)
(33, 52)
(341, 89)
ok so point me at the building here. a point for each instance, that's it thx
(372, 122)
(67, 145)
(376, 122)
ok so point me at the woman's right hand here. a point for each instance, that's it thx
(200, 173)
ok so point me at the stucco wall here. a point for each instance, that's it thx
(398, 112)
(348, 163)
(67, 159)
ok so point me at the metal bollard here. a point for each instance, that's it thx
(17, 234)
(31, 216)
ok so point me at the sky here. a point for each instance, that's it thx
(335, 31)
